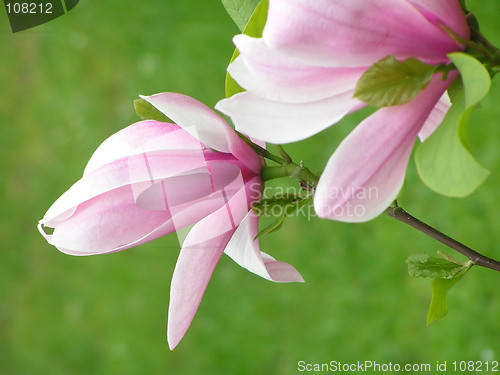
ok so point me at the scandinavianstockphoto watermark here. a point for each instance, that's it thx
(351, 201)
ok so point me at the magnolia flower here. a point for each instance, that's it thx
(154, 178)
(300, 79)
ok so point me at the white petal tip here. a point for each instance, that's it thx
(40, 227)
(281, 272)
(174, 339)
(171, 344)
(298, 279)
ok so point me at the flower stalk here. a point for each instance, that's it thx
(300, 172)
(287, 167)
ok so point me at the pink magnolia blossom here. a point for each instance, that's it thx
(151, 179)
(300, 79)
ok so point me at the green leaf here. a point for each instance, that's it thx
(231, 86)
(390, 82)
(445, 273)
(281, 207)
(423, 265)
(475, 77)
(257, 21)
(273, 227)
(240, 11)
(147, 111)
(455, 89)
(440, 288)
(254, 29)
(443, 161)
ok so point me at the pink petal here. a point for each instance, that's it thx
(141, 137)
(244, 250)
(436, 117)
(268, 74)
(199, 255)
(123, 204)
(366, 172)
(205, 125)
(135, 170)
(353, 33)
(193, 270)
(447, 12)
(203, 183)
(279, 122)
(113, 221)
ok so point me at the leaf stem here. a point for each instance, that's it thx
(283, 154)
(477, 258)
(261, 151)
(476, 42)
(300, 172)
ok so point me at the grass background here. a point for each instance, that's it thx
(67, 85)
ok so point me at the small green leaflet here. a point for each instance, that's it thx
(423, 265)
(273, 227)
(444, 272)
(440, 288)
(390, 82)
(147, 111)
(281, 207)
(443, 161)
(254, 29)
(240, 11)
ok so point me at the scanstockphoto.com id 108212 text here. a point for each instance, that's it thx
(459, 367)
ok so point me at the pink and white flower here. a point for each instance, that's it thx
(300, 79)
(153, 178)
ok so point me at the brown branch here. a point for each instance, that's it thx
(477, 258)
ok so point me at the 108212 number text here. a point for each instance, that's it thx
(29, 8)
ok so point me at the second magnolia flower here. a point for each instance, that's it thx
(300, 79)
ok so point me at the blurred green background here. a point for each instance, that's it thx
(67, 85)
